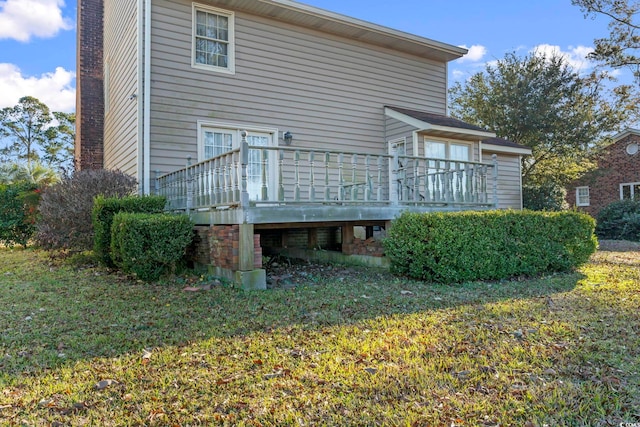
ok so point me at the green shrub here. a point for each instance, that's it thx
(149, 245)
(620, 220)
(65, 209)
(18, 209)
(544, 197)
(490, 245)
(104, 209)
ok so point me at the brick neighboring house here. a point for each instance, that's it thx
(616, 177)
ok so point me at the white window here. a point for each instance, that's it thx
(630, 191)
(213, 39)
(582, 196)
(447, 150)
(215, 139)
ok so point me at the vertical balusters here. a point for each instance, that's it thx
(483, 184)
(415, 189)
(217, 189)
(448, 182)
(494, 159)
(436, 182)
(341, 194)
(367, 178)
(404, 183)
(281, 175)
(425, 172)
(244, 163)
(312, 179)
(327, 189)
(379, 180)
(263, 175)
(296, 163)
(459, 196)
(354, 189)
(468, 194)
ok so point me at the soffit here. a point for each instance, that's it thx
(307, 16)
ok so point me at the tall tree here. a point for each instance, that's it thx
(622, 47)
(541, 102)
(35, 134)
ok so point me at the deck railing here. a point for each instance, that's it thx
(310, 176)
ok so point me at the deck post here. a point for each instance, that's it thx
(244, 162)
(248, 276)
(494, 158)
(394, 191)
(156, 182)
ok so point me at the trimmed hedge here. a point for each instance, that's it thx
(105, 208)
(620, 220)
(18, 213)
(488, 245)
(149, 245)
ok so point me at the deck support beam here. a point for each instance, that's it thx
(247, 277)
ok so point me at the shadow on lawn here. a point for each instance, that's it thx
(57, 315)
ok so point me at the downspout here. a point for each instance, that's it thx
(144, 34)
(141, 99)
(146, 143)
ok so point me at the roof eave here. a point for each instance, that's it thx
(343, 25)
(426, 127)
(625, 133)
(506, 149)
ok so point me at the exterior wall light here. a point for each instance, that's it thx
(288, 137)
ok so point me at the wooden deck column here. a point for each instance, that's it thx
(247, 276)
(348, 236)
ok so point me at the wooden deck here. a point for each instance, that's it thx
(281, 185)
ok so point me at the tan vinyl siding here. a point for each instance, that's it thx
(328, 91)
(395, 129)
(509, 192)
(120, 52)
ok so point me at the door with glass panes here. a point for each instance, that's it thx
(261, 169)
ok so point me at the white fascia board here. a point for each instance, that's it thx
(508, 150)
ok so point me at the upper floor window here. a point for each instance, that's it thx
(630, 191)
(582, 196)
(213, 39)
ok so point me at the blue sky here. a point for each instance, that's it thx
(38, 52)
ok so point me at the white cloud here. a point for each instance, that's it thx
(576, 57)
(23, 19)
(475, 53)
(54, 89)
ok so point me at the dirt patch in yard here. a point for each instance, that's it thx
(618, 252)
(618, 246)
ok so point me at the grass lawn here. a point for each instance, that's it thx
(80, 346)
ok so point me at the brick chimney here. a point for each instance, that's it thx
(89, 144)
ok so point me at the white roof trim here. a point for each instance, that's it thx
(423, 126)
(504, 149)
(625, 133)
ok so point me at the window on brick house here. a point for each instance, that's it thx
(213, 39)
(630, 191)
(582, 196)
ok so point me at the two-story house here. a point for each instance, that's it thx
(277, 125)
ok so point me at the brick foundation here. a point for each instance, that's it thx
(369, 247)
(218, 245)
